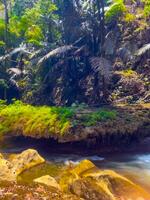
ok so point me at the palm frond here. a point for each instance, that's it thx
(56, 52)
(142, 51)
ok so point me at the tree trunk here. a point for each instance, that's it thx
(6, 22)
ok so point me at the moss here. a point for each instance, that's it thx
(98, 116)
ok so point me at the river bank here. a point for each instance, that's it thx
(95, 126)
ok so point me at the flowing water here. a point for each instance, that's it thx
(134, 163)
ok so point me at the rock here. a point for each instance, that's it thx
(48, 180)
(82, 167)
(6, 170)
(88, 190)
(26, 160)
(10, 169)
(105, 184)
(90, 183)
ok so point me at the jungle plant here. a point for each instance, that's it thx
(115, 10)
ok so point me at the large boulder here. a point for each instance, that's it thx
(90, 183)
(116, 185)
(10, 169)
(26, 160)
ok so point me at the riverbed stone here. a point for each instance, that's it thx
(26, 160)
(47, 180)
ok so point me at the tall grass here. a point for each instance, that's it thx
(19, 118)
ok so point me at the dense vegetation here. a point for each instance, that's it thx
(61, 52)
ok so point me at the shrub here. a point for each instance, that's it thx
(115, 10)
(2, 43)
(127, 73)
(146, 7)
(129, 17)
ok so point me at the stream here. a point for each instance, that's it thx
(134, 162)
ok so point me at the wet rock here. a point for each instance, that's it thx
(48, 180)
(71, 175)
(89, 190)
(26, 160)
(82, 167)
(90, 183)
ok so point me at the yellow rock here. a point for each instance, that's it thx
(6, 171)
(113, 185)
(48, 180)
(26, 160)
(82, 167)
(71, 175)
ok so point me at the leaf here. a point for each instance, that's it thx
(102, 66)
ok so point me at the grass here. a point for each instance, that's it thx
(99, 116)
(19, 118)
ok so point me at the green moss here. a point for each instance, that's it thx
(99, 116)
